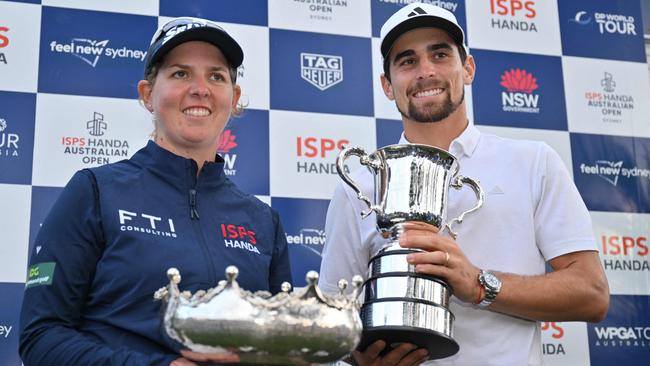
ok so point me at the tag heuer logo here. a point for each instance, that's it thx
(322, 71)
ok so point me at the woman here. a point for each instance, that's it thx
(115, 230)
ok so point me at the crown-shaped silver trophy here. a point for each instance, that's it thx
(411, 186)
(290, 328)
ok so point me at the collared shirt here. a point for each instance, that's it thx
(532, 213)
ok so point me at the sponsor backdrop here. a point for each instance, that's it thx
(572, 73)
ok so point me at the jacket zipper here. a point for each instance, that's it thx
(194, 214)
(194, 218)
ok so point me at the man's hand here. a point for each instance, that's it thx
(404, 355)
(442, 258)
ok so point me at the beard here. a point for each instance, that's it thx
(432, 112)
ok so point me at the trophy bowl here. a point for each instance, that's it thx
(299, 328)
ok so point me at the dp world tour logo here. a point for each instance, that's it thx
(519, 97)
(321, 71)
(96, 126)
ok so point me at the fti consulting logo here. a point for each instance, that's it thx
(514, 15)
(614, 25)
(609, 166)
(4, 42)
(610, 104)
(321, 71)
(519, 90)
(92, 53)
(94, 150)
(146, 224)
(16, 137)
(623, 338)
(519, 95)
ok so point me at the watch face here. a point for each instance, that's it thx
(491, 280)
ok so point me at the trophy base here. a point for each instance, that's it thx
(438, 344)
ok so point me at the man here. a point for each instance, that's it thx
(532, 215)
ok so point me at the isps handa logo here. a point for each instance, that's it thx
(225, 145)
(90, 51)
(8, 141)
(519, 96)
(606, 23)
(4, 42)
(92, 149)
(628, 253)
(513, 15)
(315, 155)
(239, 237)
(612, 171)
(553, 345)
(321, 71)
(610, 104)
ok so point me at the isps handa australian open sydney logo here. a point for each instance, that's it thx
(226, 144)
(519, 95)
(321, 71)
(8, 141)
(92, 149)
(611, 104)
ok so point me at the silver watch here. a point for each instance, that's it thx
(491, 284)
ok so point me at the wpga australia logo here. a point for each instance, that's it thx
(610, 104)
(91, 51)
(92, 149)
(8, 141)
(321, 71)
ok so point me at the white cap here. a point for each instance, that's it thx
(418, 15)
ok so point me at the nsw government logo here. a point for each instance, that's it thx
(239, 237)
(4, 42)
(321, 71)
(226, 143)
(90, 51)
(610, 104)
(8, 141)
(519, 96)
(94, 150)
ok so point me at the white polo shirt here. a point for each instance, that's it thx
(532, 213)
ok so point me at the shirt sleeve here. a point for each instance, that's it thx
(62, 267)
(562, 221)
(280, 267)
(346, 251)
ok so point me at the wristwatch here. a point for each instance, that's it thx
(491, 284)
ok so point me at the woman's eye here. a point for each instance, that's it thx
(180, 74)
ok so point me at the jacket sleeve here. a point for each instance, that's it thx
(61, 271)
(280, 268)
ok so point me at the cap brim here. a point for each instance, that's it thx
(220, 39)
(420, 22)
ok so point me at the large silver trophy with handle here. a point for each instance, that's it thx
(411, 186)
(299, 328)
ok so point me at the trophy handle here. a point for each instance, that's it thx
(364, 159)
(458, 183)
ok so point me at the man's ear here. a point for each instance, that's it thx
(387, 86)
(469, 70)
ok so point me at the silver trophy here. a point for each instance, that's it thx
(411, 186)
(299, 328)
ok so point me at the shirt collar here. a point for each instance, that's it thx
(465, 144)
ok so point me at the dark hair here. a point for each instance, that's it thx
(461, 51)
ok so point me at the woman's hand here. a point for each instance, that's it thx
(216, 357)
